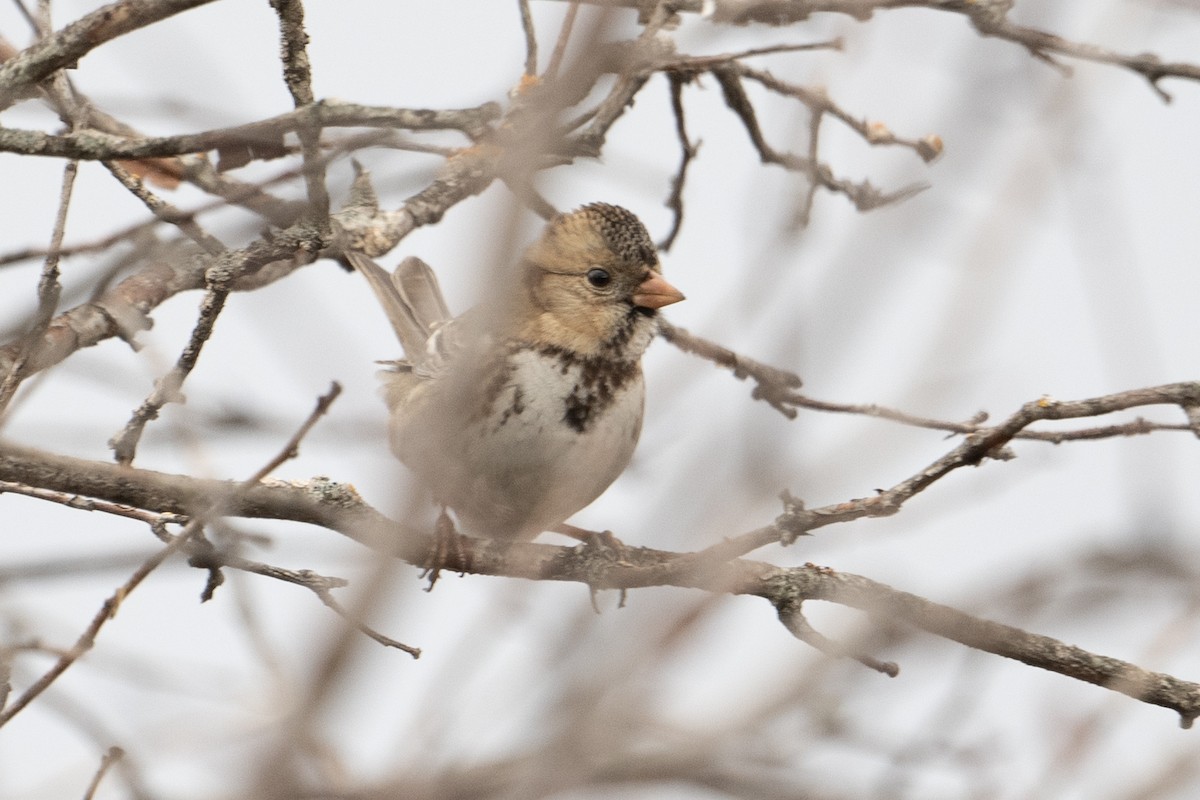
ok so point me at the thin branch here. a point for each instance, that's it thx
(1033, 649)
(1136, 427)
(777, 387)
(292, 448)
(107, 611)
(863, 195)
(92, 145)
(980, 444)
(560, 46)
(39, 26)
(687, 152)
(803, 213)
(819, 103)
(67, 46)
(365, 227)
(203, 555)
(232, 192)
(124, 310)
(773, 385)
(229, 191)
(705, 63)
(111, 757)
(167, 389)
(320, 585)
(156, 521)
(990, 18)
(633, 71)
(328, 599)
(164, 211)
(791, 614)
(297, 74)
(531, 48)
(49, 291)
(214, 506)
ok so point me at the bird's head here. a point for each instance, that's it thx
(592, 274)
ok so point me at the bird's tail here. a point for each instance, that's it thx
(411, 298)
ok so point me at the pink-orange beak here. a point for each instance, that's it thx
(655, 292)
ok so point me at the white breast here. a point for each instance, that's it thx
(522, 467)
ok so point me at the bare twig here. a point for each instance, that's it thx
(91, 145)
(68, 45)
(773, 385)
(123, 311)
(705, 63)
(980, 444)
(804, 212)
(863, 195)
(49, 291)
(819, 103)
(531, 48)
(107, 611)
(165, 211)
(328, 599)
(208, 558)
(156, 521)
(167, 389)
(1136, 427)
(320, 585)
(791, 614)
(634, 70)
(213, 506)
(292, 448)
(231, 192)
(687, 153)
(202, 554)
(989, 17)
(297, 74)
(560, 46)
(777, 387)
(111, 757)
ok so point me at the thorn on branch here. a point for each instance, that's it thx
(205, 556)
(215, 578)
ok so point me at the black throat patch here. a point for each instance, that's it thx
(600, 382)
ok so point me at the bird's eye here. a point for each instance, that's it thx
(598, 277)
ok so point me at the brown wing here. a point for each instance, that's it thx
(410, 297)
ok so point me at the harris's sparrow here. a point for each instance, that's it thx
(521, 412)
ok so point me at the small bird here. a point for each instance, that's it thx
(523, 410)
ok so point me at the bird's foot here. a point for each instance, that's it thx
(447, 549)
(602, 550)
(599, 539)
